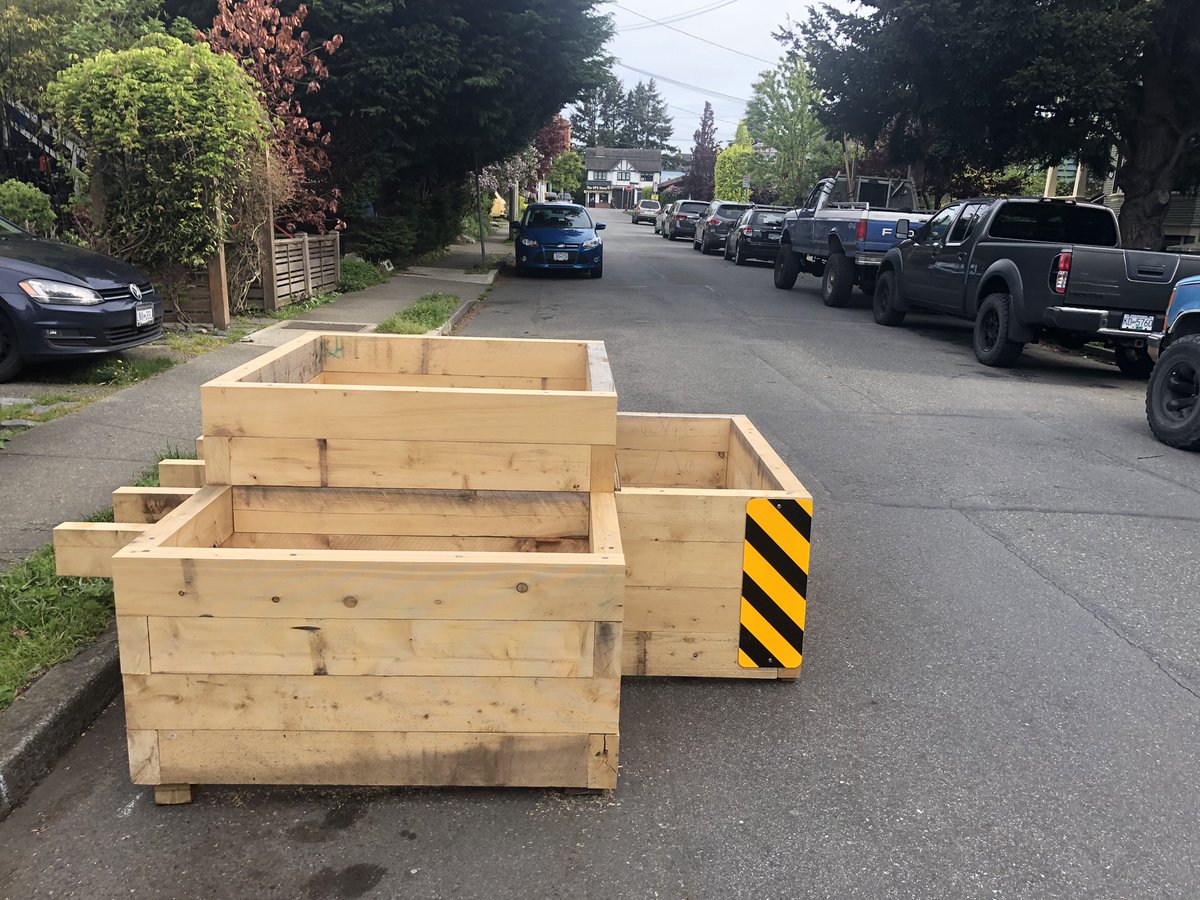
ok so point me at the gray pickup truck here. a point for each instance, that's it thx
(1027, 269)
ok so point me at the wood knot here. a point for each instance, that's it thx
(522, 587)
(350, 601)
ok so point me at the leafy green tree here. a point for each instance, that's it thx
(168, 128)
(25, 205)
(566, 173)
(732, 166)
(949, 83)
(782, 117)
(31, 50)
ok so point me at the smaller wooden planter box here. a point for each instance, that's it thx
(339, 410)
(715, 529)
(366, 636)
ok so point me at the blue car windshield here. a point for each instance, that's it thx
(557, 217)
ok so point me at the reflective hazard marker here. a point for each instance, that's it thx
(774, 583)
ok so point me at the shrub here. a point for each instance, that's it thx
(25, 205)
(358, 274)
(380, 237)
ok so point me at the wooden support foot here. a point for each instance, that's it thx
(172, 794)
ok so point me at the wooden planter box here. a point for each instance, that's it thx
(697, 601)
(366, 636)
(338, 410)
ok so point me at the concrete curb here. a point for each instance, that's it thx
(457, 316)
(48, 718)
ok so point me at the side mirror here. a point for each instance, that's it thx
(902, 230)
(600, 226)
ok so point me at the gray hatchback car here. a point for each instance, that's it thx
(714, 224)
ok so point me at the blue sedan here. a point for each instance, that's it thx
(559, 236)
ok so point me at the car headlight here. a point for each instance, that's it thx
(60, 292)
(591, 243)
(528, 242)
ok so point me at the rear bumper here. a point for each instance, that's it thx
(680, 228)
(1100, 322)
(760, 249)
(1154, 344)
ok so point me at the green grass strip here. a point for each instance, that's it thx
(425, 314)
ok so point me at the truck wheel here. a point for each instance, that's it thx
(10, 350)
(1173, 395)
(787, 268)
(1134, 362)
(838, 283)
(993, 347)
(884, 302)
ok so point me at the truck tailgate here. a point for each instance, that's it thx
(1133, 280)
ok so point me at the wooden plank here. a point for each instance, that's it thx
(605, 530)
(541, 515)
(683, 564)
(200, 447)
(383, 758)
(203, 520)
(369, 585)
(367, 703)
(599, 372)
(218, 464)
(455, 355)
(603, 750)
(693, 655)
(495, 382)
(655, 431)
(757, 461)
(296, 361)
(147, 504)
(606, 662)
(133, 642)
(680, 514)
(86, 548)
(334, 462)
(373, 647)
(602, 470)
(681, 609)
(181, 473)
(172, 794)
(672, 468)
(412, 542)
(143, 756)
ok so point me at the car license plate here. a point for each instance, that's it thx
(774, 234)
(561, 257)
(1130, 322)
(143, 314)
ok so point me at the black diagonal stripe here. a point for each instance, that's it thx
(797, 515)
(776, 558)
(788, 629)
(753, 648)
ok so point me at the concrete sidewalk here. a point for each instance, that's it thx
(67, 469)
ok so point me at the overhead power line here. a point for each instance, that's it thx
(692, 112)
(680, 17)
(682, 84)
(769, 62)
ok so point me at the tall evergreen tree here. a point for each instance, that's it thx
(646, 123)
(699, 182)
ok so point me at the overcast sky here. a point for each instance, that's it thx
(710, 71)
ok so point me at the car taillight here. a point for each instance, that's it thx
(861, 232)
(1062, 271)
(681, 217)
(714, 221)
(747, 230)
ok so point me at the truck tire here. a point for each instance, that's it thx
(787, 268)
(1134, 362)
(1173, 395)
(838, 283)
(884, 303)
(10, 350)
(993, 347)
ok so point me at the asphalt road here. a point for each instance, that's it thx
(1001, 684)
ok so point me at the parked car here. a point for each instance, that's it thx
(660, 220)
(756, 235)
(559, 236)
(1173, 392)
(683, 220)
(62, 301)
(714, 223)
(841, 233)
(645, 211)
(1024, 269)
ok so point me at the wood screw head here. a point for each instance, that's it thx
(522, 587)
(274, 599)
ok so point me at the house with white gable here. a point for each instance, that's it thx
(616, 176)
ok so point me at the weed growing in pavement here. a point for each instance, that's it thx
(120, 372)
(494, 261)
(295, 309)
(425, 314)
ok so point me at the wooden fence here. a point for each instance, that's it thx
(303, 266)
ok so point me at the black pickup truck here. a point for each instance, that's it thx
(1027, 269)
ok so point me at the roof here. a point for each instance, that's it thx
(606, 157)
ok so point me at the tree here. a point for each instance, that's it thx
(782, 116)
(28, 207)
(168, 128)
(732, 166)
(598, 118)
(947, 83)
(699, 182)
(274, 49)
(566, 174)
(645, 123)
(551, 142)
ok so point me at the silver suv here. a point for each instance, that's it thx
(645, 211)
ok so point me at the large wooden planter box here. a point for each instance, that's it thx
(697, 601)
(338, 410)
(365, 636)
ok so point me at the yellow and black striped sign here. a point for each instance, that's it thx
(774, 583)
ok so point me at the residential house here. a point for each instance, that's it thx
(616, 176)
